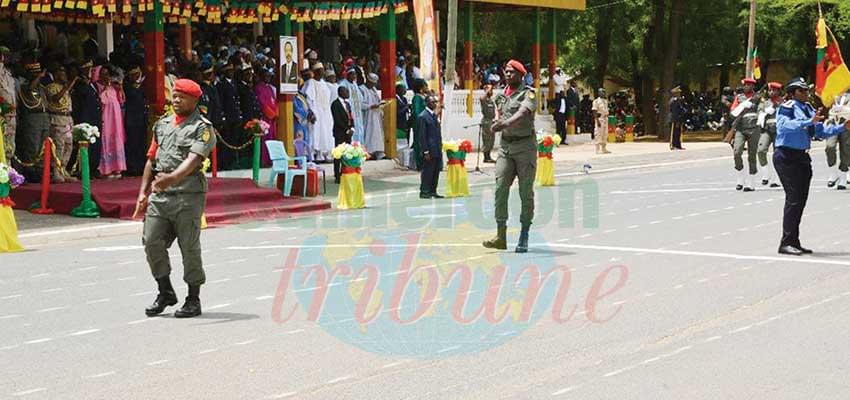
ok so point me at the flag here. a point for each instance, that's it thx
(756, 64)
(832, 78)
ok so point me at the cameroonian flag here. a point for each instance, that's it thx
(832, 78)
(756, 64)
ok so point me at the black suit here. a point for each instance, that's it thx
(403, 116)
(561, 117)
(343, 123)
(232, 121)
(292, 76)
(432, 143)
(85, 101)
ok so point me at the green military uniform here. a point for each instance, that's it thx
(517, 155)
(838, 174)
(767, 113)
(176, 212)
(747, 132)
(488, 111)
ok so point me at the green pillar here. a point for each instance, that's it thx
(87, 208)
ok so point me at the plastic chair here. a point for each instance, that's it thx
(280, 165)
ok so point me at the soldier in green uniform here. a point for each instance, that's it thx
(767, 122)
(517, 156)
(173, 173)
(488, 111)
(747, 132)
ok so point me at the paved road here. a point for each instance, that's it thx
(678, 289)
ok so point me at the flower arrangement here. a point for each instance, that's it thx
(85, 133)
(257, 127)
(547, 143)
(351, 155)
(457, 150)
(9, 179)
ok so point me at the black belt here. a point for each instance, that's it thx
(792, 150)
(511, 139)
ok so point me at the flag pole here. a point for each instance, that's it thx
(751, 38)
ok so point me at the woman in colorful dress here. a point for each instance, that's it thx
(112, 159)
(267, 97)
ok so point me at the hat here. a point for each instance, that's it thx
(330, 72)
(318, 65)
(373, 78)
(351, 70)
(797, 83)
(188, 86)
(87, 64)
(207, 68)
(34, 68)
(676, 89)
(225, 67)
(4, 50)
(348, 62)
(517, 66)
(748, 80)
(774, 85)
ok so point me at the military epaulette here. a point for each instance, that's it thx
(206, 121)
(787, 109)
(788, 104)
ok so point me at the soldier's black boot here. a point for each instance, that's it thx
(192, 306)
(500, 242)
(522, 245)
(488, 159)
(165, 298)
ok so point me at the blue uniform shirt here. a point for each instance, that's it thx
(794, 127)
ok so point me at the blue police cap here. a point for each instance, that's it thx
(796, 83)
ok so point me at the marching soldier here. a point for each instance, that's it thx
(838, 173)
(677, 118)
(488, 110)
(747, 132)
(797, 123)
(517, 155)
(173, 173)
(600, 116)
(767, 122)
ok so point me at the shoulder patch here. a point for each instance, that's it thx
(788, 104)
(206, 135)
(531, 95)
(786, 110)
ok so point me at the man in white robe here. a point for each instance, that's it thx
(373, 114)
(319, 99)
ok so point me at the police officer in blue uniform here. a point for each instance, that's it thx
(797, 123)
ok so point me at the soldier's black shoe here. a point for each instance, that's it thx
(489, 161)
(522, 244)
(790, 250)
(841, 187)
(163, 299)
(804, 250)
(191, 308)
(764, 182)
(774, 185)
(749, 189)
(739, 187)
(830, 184)
(437, 196)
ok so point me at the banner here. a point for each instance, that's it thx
(429, 56)
(288, 65)
(832, 75)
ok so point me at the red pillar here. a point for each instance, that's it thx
(535, 55)
(154, 60)
(387, 78)
(552, 50)
(185, 40)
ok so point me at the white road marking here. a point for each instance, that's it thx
(98, 301)
(565, 390)
(340, 379)
(655, 222)
(586, 235)
(36, 341)
(149, 292)
(59, 289)
(283, 395)
(101, 375)
(610, 231)
(741, 329)
(128, 262)
(207, 351)
(216, 307)
(44, 310)
(85, 332)
(10, 316)
(633, 226)
(713, 338)
(139, 321)
(26, 392)
(448, 349)
(669, 191)
(11, 296)
(157, 362)
(41, 275)
(617, 303)
(694, 214)
(708, 238)
(725, 274)
(237, 261)
(221, 280)
(617, 372)
(634, 210)
(684, 243)
(678, 218)
(559, 241)
(649, 294)
(266, 297)
(245, 342)
(127, 278)
(249, 276)
(725, 233)
(677, 287)
(85, 269)
(703, 280)
(801, 260)
(292, 332)
(87, 284)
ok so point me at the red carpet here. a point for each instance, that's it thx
(229, 200)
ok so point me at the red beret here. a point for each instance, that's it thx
(517, 66)
(748, 80)
(189, 87)
(774, 85)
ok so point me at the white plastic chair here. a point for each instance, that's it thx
(280, 165)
